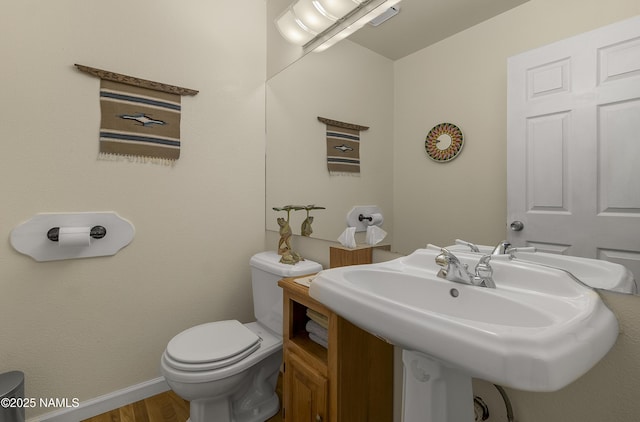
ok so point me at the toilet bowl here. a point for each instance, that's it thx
(235, 385)
(228, 370)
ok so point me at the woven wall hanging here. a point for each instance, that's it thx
(140, 119)
(343, 147)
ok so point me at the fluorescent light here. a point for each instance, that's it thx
(311, 16)
(349, 24)
(338, 8)
(319, 24)
(292, 29)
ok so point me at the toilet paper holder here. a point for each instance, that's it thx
(363, 216)
(96, 232)
(72, 235)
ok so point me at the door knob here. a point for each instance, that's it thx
(516, 226)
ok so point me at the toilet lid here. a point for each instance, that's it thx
(218, 341)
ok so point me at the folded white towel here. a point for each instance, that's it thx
(318, 317)
(322, 342)
(316, 329)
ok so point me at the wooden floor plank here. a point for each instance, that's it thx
(126, 414)
(164, 407)
(180, 406)
(140, 411)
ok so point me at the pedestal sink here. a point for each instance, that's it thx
(538, 330)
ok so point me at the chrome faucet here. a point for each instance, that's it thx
(505, 248)
(454, 270)
(473, 247)
(501, 248)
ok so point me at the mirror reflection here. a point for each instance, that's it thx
(400, 99)
(348, 83)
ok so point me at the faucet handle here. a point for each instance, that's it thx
(484, 272)
(442, 259)
(473, 247)
(483, 269)
(501, 248)
(446, 258)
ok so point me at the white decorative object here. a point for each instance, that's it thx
(375, 235)
(348, 237)
(56, 236)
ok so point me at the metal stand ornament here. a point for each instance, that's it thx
(288, 255)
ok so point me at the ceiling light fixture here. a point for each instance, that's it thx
(319, 24)
(385, 16)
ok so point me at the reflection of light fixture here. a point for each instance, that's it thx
(318, 24)
(385, 16)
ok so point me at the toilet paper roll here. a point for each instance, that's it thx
(376, 219)
(74, 236)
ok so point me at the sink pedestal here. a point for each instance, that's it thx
(433, 392)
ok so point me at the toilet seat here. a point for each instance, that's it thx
(211, 346)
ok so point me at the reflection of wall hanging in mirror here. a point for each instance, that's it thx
(140, 118)
(444, 142)
(343, 147)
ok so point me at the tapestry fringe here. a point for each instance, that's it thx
(106, 156)
(343, 173)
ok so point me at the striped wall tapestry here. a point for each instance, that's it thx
(139, 123)
(343, 147)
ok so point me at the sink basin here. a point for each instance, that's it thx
(596, 273)
(538, 330)
(437, 297)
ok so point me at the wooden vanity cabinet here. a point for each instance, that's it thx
(306, 391)
(350, 381)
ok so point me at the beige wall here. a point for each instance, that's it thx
(83, 328)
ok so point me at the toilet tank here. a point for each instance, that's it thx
(266, 270)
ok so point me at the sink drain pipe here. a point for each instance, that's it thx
(507, 403)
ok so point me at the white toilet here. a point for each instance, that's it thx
(228, 370)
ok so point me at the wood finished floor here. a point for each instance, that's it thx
(164, 407)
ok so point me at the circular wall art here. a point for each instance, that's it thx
(444, 142)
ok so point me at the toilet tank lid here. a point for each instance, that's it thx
(270, 261)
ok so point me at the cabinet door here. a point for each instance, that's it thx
(305, 392)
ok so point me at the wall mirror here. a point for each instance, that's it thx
(352, 82)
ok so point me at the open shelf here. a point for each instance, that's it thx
(299, 335)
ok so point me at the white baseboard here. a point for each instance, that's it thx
(105, 403)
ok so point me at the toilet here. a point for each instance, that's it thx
(226, 369)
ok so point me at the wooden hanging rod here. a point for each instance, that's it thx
(342, 124)
(131, 80)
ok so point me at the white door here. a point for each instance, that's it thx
(573, 149)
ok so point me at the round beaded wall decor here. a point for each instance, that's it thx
(444, 142)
